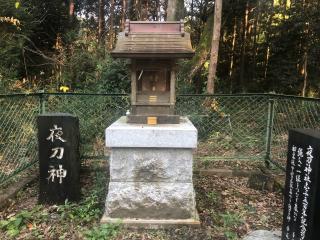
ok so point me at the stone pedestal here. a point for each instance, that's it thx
(151, 174)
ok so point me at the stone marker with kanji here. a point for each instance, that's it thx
(59, 160)
(301, 218)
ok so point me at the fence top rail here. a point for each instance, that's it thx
(19, 95)
(61, 94)
(282, 96)
(270, 95)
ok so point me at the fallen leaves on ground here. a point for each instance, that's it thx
(227, 208)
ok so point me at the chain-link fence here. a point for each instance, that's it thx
(18, 137)
(291, 112)
(95, 113)
(229, 127)
(247, 126)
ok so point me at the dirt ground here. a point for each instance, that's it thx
(227, 207)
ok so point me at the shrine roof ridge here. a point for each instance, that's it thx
(154, 27)
(153, 39)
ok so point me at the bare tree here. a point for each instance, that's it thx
(71, 8)
(171, 10)
(243, 47)
(124, 14)
(214, 46)
(111, 25)
(101, 22)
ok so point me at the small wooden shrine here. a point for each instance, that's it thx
(153, 48)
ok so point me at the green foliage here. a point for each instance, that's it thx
(87, 68)
(84, 212)
(102, 232)
(185, 86)
(206, 162)
(265, 46)
(27, 46)
(94, 113)
(11, 42)
(230, 222)
(80, 73)
(22, 220)
(230, 235)
(114, 76)
(68, 216)
(88, 209)
(16, 223)
(213, 197)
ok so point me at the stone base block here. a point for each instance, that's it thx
(151, 174)
(152, 223)
(151, 165)
(154, 200)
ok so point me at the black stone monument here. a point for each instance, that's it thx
(301, 217)
(59, 159)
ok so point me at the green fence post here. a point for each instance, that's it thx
(42, 107)
(269, 132)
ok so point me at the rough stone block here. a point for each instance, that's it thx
(151, 165)
(152, 200)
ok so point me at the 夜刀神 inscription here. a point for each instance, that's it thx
(57, 152)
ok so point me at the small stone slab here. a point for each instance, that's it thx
(134, 223)
(263, 235)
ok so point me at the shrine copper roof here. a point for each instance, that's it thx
(153, 40)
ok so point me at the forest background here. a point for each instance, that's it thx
(264, 46)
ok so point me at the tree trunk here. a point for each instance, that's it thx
(71, 8)
(158, 10)
(305, 74)
(180, 14)
(267, 64)
(144, 10)
(305, 53)
(171, 10)
(130, 9)
(214, 46)
(234, 36)
(137, 8)
(191, 10)
(255, 47)
(124, 14)
(111, 24)
(165, 7)
(101, 23)
(268, 36)
(243, 48)
(199, 65)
